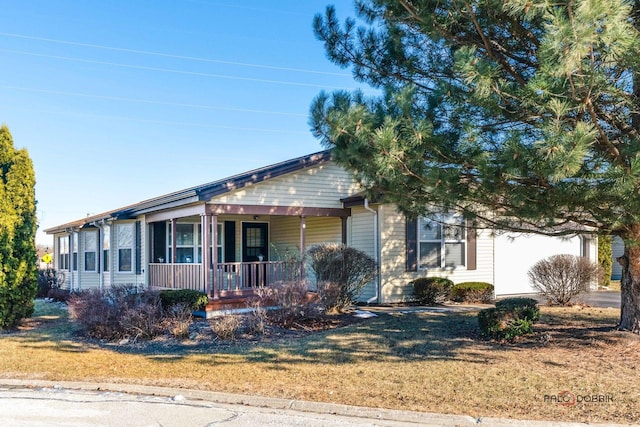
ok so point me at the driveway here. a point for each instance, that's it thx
(602, 299)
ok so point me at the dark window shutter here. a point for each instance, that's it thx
(229, 241)
(138, 244)
(412, 244)
(471, 248)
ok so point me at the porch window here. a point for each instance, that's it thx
(63, 251)
(90, 245)
(106, 238)
(124, 236)
(441, 242)
(75, 251)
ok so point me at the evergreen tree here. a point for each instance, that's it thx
(18, 273)
(523, 115)
(605, 259)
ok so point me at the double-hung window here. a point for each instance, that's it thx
(63, 251)
(441, 242)
(90, 246)
(74, 241)
(124, 240)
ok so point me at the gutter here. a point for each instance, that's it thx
(376, 257)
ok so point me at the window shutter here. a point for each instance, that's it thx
(229, 241)
(138, 243)
(412, 244)
(471, 248)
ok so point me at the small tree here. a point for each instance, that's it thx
(560, 278)
(341, 273)
(18, 272)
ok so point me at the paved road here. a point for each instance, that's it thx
(40, 403)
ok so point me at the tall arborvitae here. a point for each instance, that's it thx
(520, 114)
(18, 272)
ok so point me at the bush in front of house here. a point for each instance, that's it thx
(431, 290)
(341, 273)
(472, 292)
(560, 278)
(196, 300)
(282, 303)
(510, 318)
(121, 312)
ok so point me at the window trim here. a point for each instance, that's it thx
(442, 222)
(85, 247)
(129, 247)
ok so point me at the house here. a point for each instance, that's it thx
(257, 224)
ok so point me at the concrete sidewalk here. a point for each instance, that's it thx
(47, 403)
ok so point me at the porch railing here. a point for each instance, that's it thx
(225, 277)
(176, 276)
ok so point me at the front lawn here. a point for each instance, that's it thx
(422, 361)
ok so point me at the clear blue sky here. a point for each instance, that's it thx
(123, 100)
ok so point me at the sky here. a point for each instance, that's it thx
(120, 101)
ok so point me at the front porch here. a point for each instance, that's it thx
(249, 247)
(229, 279)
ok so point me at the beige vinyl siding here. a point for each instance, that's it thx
(395, 279)
(285, 237)
(320, 186)
(361, 236)
(86, 279)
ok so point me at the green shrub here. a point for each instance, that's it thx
(528, 306)
(478, 292)
(431, 290)
(196, 300)
(510, 318)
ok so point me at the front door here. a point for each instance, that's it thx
(254, 241)
(254, 249)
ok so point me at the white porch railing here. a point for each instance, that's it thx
(225, 277)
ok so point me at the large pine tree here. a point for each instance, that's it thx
(521, 114)
(18, 274)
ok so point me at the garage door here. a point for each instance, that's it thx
(515, 254)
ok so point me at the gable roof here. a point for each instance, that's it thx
(200, 193)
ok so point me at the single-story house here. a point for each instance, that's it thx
(254, 227)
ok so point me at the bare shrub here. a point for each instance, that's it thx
(341, 273)
(227, 327)
(257, 317)
(118, 312)
(287, 302)
(560, 278)
(178, 320)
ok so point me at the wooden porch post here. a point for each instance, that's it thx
(215, 287)
(303, 249)
(174, 256)
(205, 224)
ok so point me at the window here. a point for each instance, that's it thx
(106, 238)
(188, 243)
(441, 242)
(90, 246)
(75, 251)
(124, 236)
(63, 251)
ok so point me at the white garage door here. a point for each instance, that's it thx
(515, 254)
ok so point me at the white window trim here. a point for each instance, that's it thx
(132, 248)
(442, 221)
(85, 251)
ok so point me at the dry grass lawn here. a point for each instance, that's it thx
(422, 361)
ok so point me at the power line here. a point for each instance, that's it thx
(167, 70)
(152, 102)
(169, 55)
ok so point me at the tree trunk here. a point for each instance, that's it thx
(630, 282)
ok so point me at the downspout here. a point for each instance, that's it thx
(376, 257)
